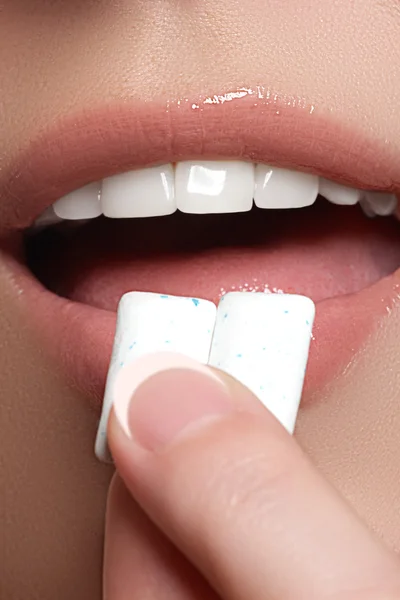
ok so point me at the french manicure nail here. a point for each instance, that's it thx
(160, 395)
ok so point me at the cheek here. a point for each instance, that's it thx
(353, 432)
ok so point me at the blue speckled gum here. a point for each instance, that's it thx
(263, 341)
(149, 323)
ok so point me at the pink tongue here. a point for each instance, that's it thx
(321, 252)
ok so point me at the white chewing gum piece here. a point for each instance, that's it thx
(263, 341)
(148, 323)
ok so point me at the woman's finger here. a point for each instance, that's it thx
(140, 563)
(229, 486)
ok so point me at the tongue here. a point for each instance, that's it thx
(323, 251)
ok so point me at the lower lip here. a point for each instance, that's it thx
(80, 337)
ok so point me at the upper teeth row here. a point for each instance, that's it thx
(208, 187)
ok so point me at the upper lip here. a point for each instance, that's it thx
(249, 123)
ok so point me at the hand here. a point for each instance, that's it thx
(214, 499)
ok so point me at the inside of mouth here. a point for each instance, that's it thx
(322, 251)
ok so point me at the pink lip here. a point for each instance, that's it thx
(249, 124)
(253, 125)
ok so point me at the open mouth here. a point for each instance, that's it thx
(203, 227)
(206, 228)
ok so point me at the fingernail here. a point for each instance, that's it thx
(160, 395)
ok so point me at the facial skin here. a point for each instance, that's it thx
(58, 58)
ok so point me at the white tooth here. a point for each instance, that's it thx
(382, 204)
(148, 323)
(47, 218)
(339, 194)
(141, 193)
(282, 188)
(80, 204)
(263, 341)
(367, 208)
(214, 186)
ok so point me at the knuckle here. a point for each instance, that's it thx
(255, 485)
(250, 482)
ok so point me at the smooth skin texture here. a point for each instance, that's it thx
(58, 58)
(233, 491)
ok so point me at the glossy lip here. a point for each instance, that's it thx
(250, 124)
(246, 124)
